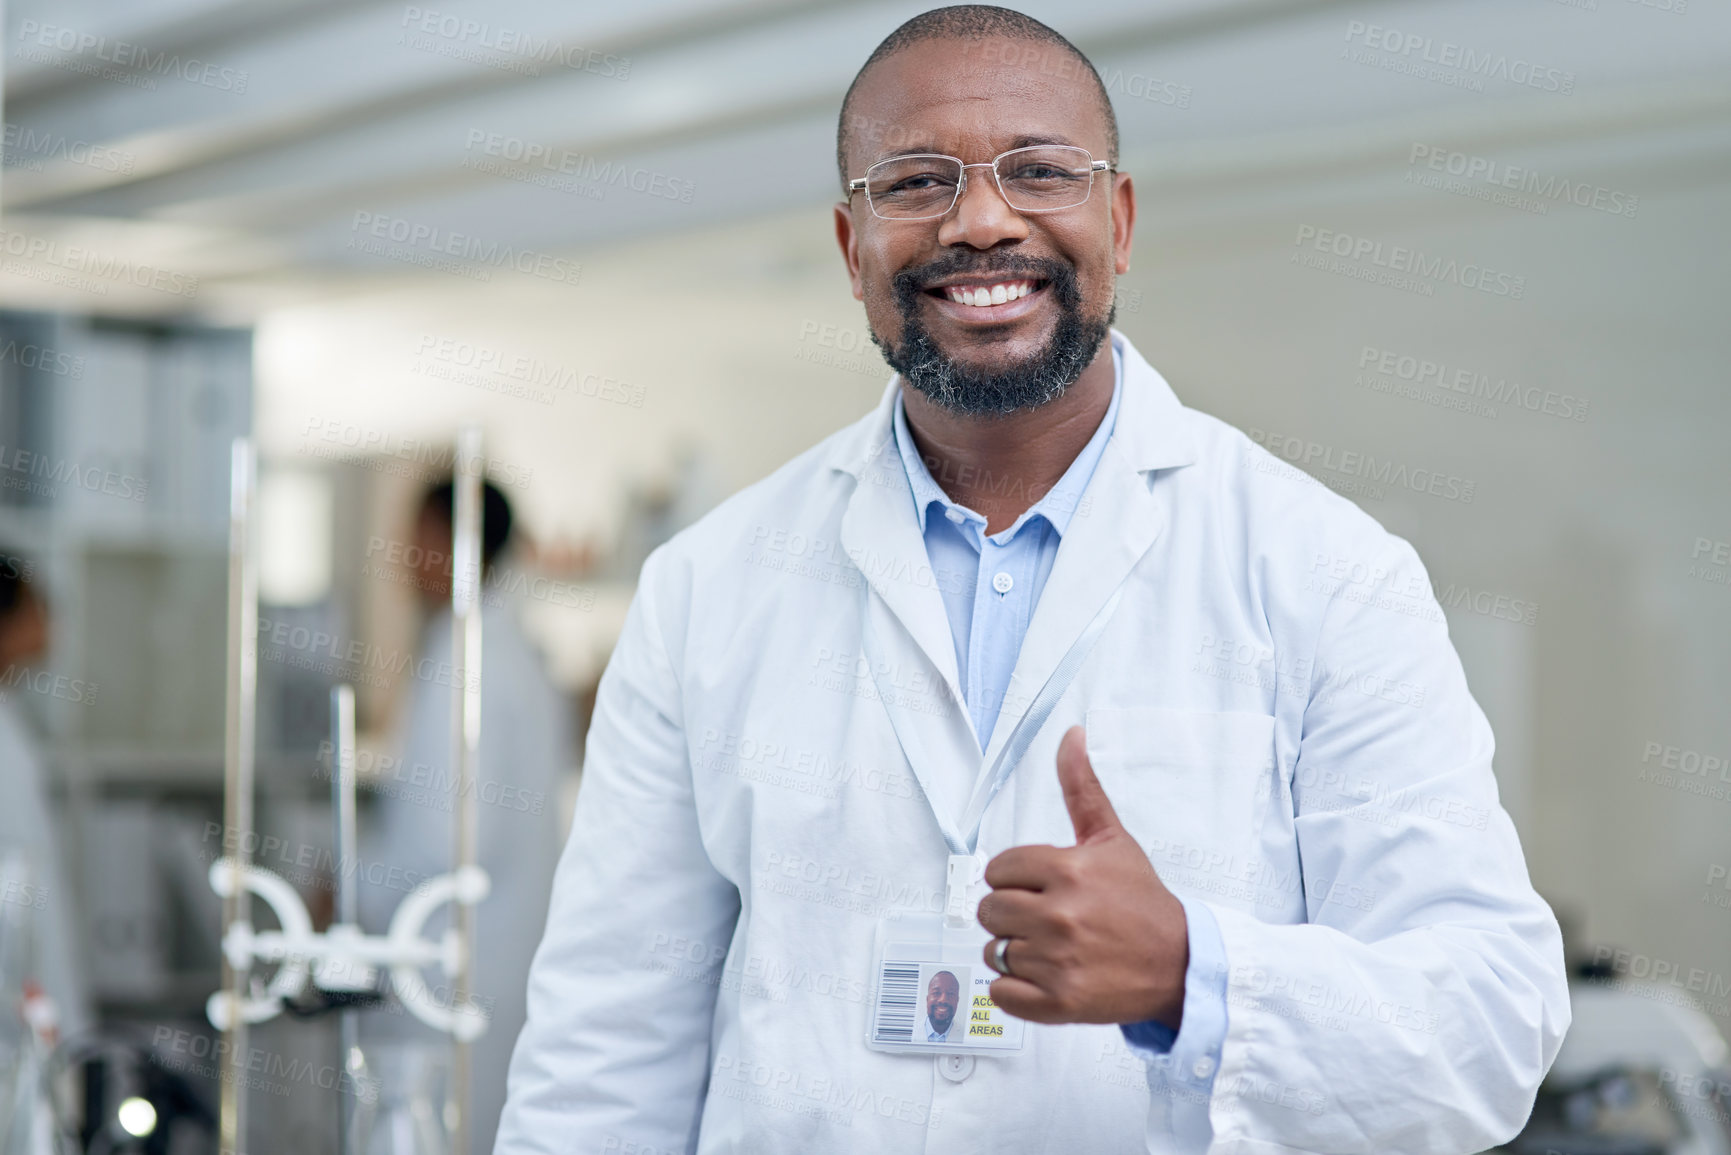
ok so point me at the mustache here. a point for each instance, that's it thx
(911, 282)
(1004, 387)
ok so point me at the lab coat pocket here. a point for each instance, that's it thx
(1191, 785)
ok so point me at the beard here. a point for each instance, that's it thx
(1003, 388)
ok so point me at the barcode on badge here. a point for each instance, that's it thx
(898, 994)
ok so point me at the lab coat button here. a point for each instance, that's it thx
(955, 1068)
(1204, 1067)
(1002, 582)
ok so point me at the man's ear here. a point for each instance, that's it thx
(848, 238)
(1123, 218)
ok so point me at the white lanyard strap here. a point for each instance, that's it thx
(1031, 722)
(985, 788)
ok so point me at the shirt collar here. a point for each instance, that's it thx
(1057, 505)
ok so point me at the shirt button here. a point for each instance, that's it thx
(1204, 1067)
(955, 1068)
(955, 515)
(1002, 582)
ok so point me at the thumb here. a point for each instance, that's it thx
(1090, 810)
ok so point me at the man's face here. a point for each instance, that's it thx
(433, 537)
(24, 632)
(943, 993)
(975, 99)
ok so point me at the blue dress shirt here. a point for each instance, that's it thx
(990, 585)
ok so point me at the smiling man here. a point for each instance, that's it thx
(1036, 679)
(943, 993)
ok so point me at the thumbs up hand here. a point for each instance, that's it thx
(1095, 936)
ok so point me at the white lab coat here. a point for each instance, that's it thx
(27, 824)
(1303, 758)
(524, 750)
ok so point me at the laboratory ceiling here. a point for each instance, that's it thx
(271, 149)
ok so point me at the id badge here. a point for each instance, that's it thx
(932, 993)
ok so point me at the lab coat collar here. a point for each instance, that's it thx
(1115, 526)
(1152, 431)
(880, 532)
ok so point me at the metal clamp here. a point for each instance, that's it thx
(343, 958)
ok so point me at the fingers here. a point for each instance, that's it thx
(1027, 867)
(1013, 914)
(1048, 986)
(1023, 965)
(1023, 999)
(1090, 810)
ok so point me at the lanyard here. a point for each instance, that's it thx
(964, 868)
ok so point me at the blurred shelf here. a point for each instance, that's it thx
(39, 529)
(174, 996)
(170, 768)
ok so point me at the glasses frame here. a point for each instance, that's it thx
(858, 183)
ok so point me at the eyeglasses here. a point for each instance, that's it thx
(923, 186)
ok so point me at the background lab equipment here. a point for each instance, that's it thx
(343, 968)
(1639, 1073)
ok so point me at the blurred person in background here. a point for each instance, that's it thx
(29, 843)
(525, 747)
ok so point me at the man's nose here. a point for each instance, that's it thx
(982, 218)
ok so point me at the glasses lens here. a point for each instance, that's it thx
(1046, 177)
(910, 187)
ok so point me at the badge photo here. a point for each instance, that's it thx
(933, 996)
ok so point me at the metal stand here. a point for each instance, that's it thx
(348, 867)
(466, 580)
(242, 704)
(340, 967)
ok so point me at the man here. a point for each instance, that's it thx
(943, 995)
(525, 749)
(1293, 917)
(32, 873)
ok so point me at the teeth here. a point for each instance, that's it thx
(989, 295)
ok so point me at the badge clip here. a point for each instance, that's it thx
(963, 871)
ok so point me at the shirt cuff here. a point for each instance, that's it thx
(1182, 1063)
(1204, 1022)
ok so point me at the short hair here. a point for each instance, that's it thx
(971, 22)
(14, 584)
(496, 517)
